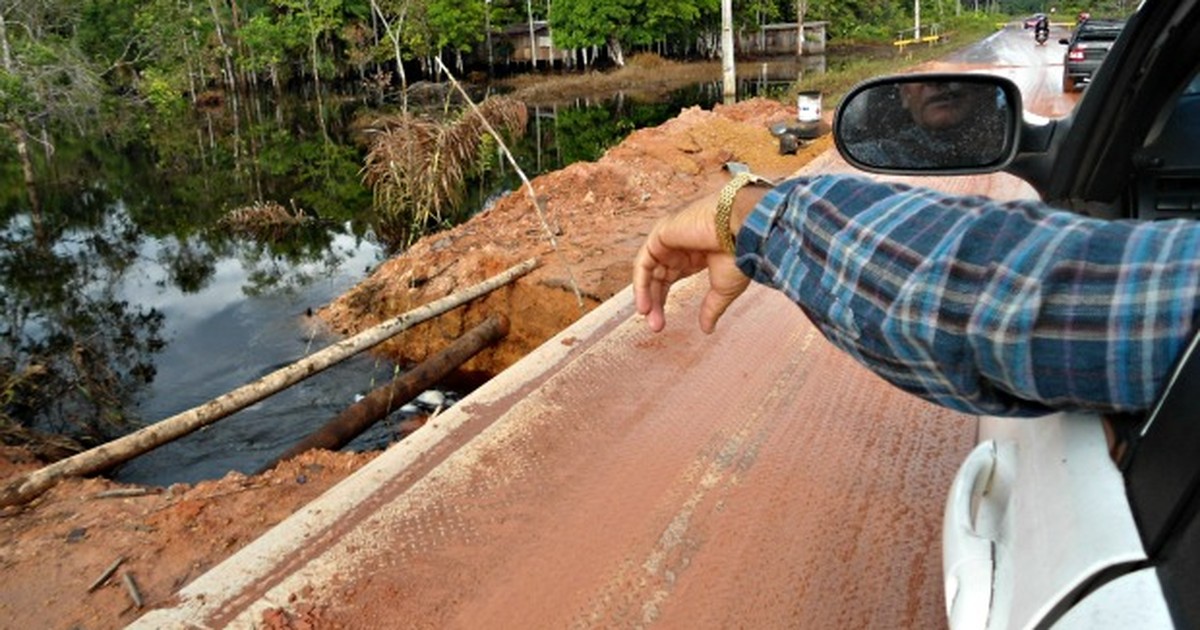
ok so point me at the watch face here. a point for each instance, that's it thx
(735, 168)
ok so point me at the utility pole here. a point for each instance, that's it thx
(916, 19)
(801, 9)
(728, 68)
(532, 38)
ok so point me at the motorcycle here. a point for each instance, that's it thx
(1041, 35)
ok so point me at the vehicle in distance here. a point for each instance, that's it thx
(1075, 520)
(1086, 49)
(1032, 20)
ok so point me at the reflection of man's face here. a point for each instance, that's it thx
(942, 104)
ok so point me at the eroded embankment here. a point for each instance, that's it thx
(596, 216)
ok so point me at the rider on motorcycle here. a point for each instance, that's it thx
(1041, 30)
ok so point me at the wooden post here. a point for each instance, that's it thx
(383, 400)
(33, 484)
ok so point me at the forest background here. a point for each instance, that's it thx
(76, 61)
(120, 64)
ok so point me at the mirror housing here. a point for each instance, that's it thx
(930, 124)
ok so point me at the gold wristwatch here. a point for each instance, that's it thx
(741, 178)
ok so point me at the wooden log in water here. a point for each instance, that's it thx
(31, 485)
(383, 400)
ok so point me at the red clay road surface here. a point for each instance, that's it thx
(617, 478)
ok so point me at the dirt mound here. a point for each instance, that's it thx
(54, 552)
(598, 214)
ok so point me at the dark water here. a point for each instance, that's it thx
(130, 287)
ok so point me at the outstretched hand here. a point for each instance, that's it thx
(679, 246)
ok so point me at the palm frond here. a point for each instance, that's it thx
(417, 167)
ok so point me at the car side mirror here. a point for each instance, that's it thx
(1065, 42)
(932, 124)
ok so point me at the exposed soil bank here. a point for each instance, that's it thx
(598, 212)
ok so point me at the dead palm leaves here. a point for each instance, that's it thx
(263, 220)
(417, 167)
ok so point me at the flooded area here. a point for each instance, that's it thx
(127, 289)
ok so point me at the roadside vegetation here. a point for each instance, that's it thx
(650, 74)
(958, 32)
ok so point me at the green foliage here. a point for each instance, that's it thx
(269, 41)
(580, 23)
(456, 25)
(585, 133)
(107, 30)
(16, 101)
(161, 93)
(48, 78)
(861, 21)
(318, 20)
(660, 19)
(325, 176)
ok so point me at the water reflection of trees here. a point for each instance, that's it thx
(153, 189)
(73, 351)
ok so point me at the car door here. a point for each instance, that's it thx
(1162, 472)
(1074, 536)
(1037, 511)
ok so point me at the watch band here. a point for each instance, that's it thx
(725, 207)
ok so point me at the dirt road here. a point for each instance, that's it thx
(754, 478)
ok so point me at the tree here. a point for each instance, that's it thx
(456, 25)
(585, 23)
(620, 23)
(45, 79)
(393, 25)
(171, 42)
(269, 42)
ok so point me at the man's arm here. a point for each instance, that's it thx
(986, 307)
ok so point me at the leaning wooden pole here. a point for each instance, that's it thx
(33, 484)
(387, 398)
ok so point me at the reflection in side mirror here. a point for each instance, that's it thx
(936, 124)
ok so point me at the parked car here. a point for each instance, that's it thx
(1086, 49)
(1075, 520)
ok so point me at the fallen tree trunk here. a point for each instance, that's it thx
(383, 400)
(33, 484)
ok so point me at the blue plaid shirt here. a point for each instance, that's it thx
(985, 307)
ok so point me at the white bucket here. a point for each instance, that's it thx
(809, 106)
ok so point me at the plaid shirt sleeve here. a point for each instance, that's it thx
(980, 306)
